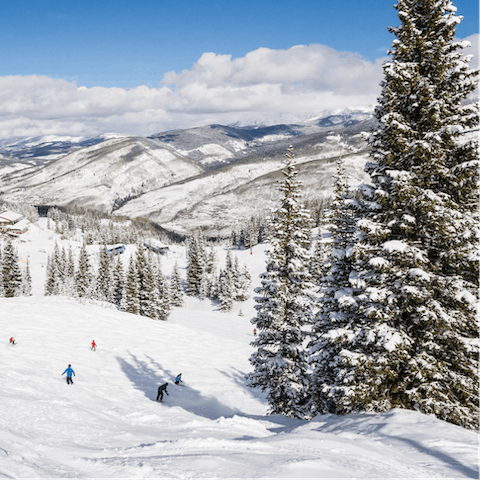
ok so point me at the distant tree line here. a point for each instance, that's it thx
(94, 228)
(231, 284)
(141, 288)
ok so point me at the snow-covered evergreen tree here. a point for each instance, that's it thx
(197, 281)
(11, 272)
(211, 260)
(205, 286)
(49, 288)
(62, 267)
(55, 273)
(117, 282)
(69, 278)
(164, 305)
(284, 305)
(84, 274)
(27, 280)
(104, 277)
(336, 317)
(131, 292)
(241, 281)
(70, 265)
(176, 288)
(225, 290)
(412, 343)
(149, 295)
(318, 264)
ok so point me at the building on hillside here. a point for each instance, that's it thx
(9, 218)
(17, 228)
(115, 249)
(156, 247)
(13, 223)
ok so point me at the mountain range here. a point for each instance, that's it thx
(212, 177)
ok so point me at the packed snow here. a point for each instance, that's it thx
(108, 424)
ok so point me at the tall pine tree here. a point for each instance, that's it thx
(164, 305)
(27, 280)
(336, 316)
(284, 305)
(196, 266)
(84, 274)
(104, 276)
(131, 291)
(117, 281)
(11, 273)
(176, 288)
(411, 346)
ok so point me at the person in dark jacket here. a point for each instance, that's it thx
(161, 389)
(69, 371)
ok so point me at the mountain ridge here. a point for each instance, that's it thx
(181, 179)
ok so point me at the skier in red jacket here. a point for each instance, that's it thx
(12, 341)
(94, 346)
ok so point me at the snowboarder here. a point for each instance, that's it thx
(69, 371)
(12, 341)
(178, 379)
(254, 332)
(94, 346)
(161, 389)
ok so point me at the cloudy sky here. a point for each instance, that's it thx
(142, 67)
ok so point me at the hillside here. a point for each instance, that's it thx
(103, 175)
(212, 177)
(220, 200)
(108, 425)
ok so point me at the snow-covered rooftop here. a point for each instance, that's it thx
(9, 216)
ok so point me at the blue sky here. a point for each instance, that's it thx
(129, 44)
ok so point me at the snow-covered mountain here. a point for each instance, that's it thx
(103, 175)
(211, 177)
(108, 424)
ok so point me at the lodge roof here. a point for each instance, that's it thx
(21, 225)
(10, 216)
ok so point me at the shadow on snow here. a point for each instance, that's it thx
(369, 424)
(148, 375)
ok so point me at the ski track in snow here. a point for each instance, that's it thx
(108, 425)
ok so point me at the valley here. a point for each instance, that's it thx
(211, 177)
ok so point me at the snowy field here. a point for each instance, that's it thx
(108, 424)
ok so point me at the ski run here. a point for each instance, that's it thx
(108, 424)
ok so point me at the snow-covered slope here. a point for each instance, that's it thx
(49, 147)
(219, 200)
(104, 175)
(213, 177)
(108, 425)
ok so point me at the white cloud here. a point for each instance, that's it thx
(217, 89)
(303, 67)
(474, 41)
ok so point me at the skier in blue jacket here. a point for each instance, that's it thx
(69, 371)
(178, 379)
